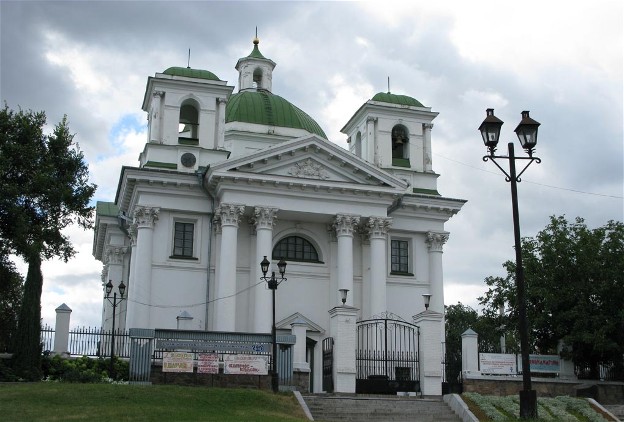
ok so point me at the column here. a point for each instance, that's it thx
(342, 329)
(372, 147)
(145, 218)
(435, 242)
(427, 146)
(225, 300)
(366, 274)
(263, 220)
(216, 224)
(220, 123)
(114, 257)
(377, 228)
(61, 329)
(132, 231)
(345, 226)
(431, 328)
(155, 116)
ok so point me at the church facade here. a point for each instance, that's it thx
(227, 178)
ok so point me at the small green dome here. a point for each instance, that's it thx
(386, 97)
(187, 72)
(264, 108)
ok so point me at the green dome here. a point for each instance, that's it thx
(264, 108)
(386, 97)
(187, 72)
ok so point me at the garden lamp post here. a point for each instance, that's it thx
(527, 134)
(272, 283)
(114, 301)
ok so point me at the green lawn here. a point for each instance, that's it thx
(54, 401)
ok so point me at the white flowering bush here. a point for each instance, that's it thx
(559, 409)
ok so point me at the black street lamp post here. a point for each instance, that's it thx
(527, 134)
(114, 301)
(272, 283)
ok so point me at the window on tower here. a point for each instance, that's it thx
(400, 149)
(257, 78)
(189, 123)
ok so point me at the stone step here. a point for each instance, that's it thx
(616, 409)
(360, 408)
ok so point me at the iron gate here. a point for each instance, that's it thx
(387, 356)
(328, 365)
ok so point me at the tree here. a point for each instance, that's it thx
(43, 189)
(11, 285)
(575, 290)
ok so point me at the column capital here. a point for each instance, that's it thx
(371, 119)
(345, 224)
(145, 217)
(264, 217)
(230, 214)
(221, 100)
(104, 274)
(114, 254)
(158, 94)
(436, 240)
(427, 126)
(132, 232)
(377, 227)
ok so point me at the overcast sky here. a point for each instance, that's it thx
(560, 60)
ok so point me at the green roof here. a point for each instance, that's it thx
(106, 209)
(187, 72)
(386, 97)
(255, 53)
(265, 108)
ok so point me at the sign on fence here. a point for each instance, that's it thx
(246, 364)
(212, 345)
(542, 363)
(177, 362)
(208, 363)
(497, 363)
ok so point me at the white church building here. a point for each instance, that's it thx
(229, 175)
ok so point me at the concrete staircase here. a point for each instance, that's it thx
(361, 408)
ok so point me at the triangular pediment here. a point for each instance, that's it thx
(298, 318)
(306, 160)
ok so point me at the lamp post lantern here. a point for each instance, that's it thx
(527, 134)
(114, 301)
(343, 295)
(272, 283)
(427, 299)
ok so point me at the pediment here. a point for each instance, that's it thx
(306, 160)
(299, 318)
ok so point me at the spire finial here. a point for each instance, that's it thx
(188, 63)
(256, 41)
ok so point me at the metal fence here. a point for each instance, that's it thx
(89, 341)
(603, 371)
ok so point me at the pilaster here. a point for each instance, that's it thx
(345, 225)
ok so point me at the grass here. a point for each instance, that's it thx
(55, 401)
(507, 408)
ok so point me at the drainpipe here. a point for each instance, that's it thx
(200, 178)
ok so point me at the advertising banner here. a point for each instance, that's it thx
(177, 362)
(497, 363)
(246, 364)
(542, 363)
(208, 363)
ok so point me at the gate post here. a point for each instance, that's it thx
(470, 352)
(61, 328)
(431, 329)
(342, 329)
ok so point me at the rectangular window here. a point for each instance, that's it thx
(399, 255)
(183, 239)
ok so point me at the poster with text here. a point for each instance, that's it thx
(246, 364)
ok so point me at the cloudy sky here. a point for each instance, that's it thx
(560, 60)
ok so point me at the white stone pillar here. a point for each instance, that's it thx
(431, 328)
(61, 329)
(342, 329)
(378, 232)
(435, 242)
(155, 117)
(345, 226)
(114, 257)
(298, 329)
(132, 231)
(470, 352)
(372, 148)
(427, 163)
(225, 300)
(366, 274)
(145, 219)
(220, 123)
(264, 220)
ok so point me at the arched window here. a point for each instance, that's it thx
(295, 248)
(257, 78)
(399, 142)
(189, 120)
